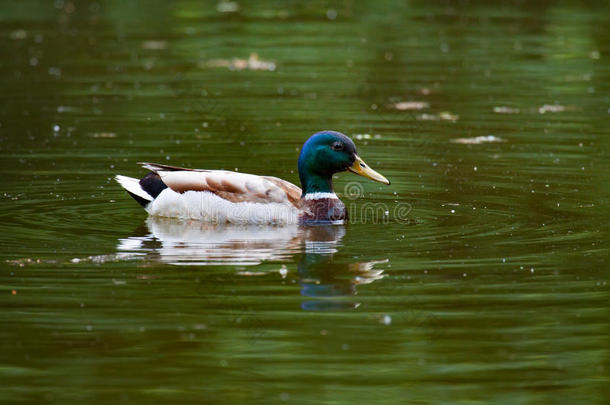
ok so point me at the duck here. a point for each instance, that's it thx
(221, 196)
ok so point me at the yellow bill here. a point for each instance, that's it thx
(362, 169)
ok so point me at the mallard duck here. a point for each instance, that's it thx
(221, 196)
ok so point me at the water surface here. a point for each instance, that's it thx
(480, 274)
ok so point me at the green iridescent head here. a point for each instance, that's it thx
(326, 153)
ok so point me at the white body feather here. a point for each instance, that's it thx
(208, 207)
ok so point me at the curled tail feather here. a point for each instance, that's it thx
(132, 186)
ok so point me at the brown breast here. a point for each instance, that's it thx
(322, 210)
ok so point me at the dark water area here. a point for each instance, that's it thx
(479, 275)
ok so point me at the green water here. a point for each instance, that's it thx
(485, 281)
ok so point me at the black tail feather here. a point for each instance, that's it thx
(152, 184)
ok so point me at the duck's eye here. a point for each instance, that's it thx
(337, 146)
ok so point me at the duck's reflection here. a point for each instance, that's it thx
(321, 278)
(192, 243)
(313, 249)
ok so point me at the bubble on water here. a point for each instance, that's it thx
(54, 71)
(154, 45)
(411, 105)
(442, 116)
(506, 110)
(227, 7)
(238, 64)
(56, 128)
(19, 34)
(386, 320)
(478, 140)
(554, 108)
(331, 14)
(361, 136)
